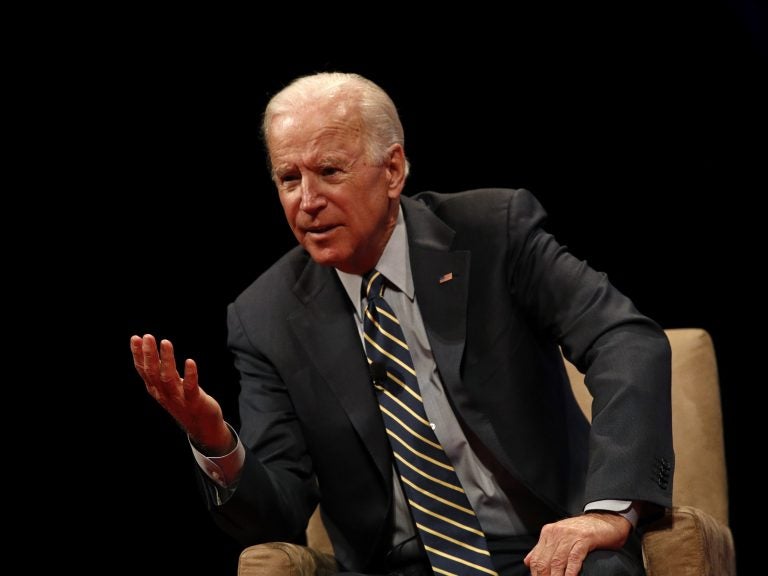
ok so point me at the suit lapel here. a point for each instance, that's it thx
(326, 329)
(443, 305)
(441, 281)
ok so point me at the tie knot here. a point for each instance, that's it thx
(373, 284)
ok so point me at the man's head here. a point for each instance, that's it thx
(335, 145)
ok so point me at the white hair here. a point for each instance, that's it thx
(381, 123)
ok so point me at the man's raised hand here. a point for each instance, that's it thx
(198, 413)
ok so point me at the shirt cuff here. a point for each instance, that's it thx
(624, 508)
(223, 470)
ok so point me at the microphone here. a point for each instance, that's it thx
(378, 372)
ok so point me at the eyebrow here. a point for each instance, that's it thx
(324, 160)
(334, 159)
(282, 168)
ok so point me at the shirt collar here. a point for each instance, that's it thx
(394, 264)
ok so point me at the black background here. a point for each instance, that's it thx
(642, 130)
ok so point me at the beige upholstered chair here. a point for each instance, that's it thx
(693, 539)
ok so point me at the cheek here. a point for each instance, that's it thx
(290, 207)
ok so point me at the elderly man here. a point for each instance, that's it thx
(402, 367)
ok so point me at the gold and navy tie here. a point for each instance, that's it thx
(447, 525)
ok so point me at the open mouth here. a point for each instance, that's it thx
(320, 229)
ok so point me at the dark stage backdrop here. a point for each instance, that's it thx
(642, 133)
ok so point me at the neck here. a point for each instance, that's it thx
(373, 255)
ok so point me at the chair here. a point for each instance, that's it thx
(692, 539)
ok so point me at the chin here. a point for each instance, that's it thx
(325, 257)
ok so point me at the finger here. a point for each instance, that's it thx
(539, 557)
(137, 349)
(191, 387)
(150, 358)
(151, 366)
(168, 372)
(561, 558)
(530, 557)
(576, 559)
(138, 358)
(535, 560)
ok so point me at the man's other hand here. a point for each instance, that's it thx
(563, 545)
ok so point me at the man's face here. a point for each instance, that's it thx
(341, 207)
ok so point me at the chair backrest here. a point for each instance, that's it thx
(697, 426)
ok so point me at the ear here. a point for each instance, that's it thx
(395, 166)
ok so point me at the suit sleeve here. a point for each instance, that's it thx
(277, 490)
(624, 355)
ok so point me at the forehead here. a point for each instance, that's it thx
(315, 130)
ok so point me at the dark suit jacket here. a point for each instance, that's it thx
(310, 421)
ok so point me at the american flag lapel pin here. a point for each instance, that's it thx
(446, 278)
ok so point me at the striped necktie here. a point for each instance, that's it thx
(447, 525)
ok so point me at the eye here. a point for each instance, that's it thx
(329, 170)
(288, 178)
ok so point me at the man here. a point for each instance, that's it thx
(483, 296)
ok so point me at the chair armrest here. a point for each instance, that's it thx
(685, 542)
(283, 559)
(688, 542)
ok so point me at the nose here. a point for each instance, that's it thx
(312, 199)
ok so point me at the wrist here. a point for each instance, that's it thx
(627, 509)
(215, 443)
(615, 519)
